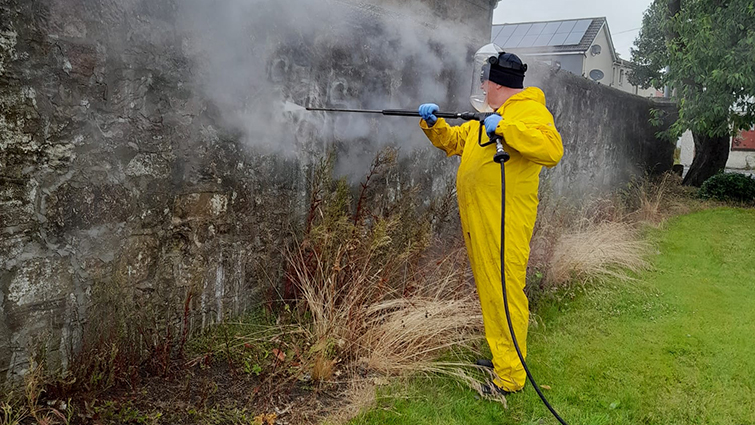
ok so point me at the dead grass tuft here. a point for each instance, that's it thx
(322, 369)
(359, 395)
(407, 334)
(598, 251)
(602, 239)
(374, 323)
(372, 300)
(649, 200)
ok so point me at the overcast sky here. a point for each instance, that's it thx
(624, 17)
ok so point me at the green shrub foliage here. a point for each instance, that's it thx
(729, 187)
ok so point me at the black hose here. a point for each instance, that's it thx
(505, 298)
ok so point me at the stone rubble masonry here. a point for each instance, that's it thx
(608, 135)
(122, 182)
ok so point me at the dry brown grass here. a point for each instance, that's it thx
(654, 200)
(603, 238)
(26, 407)
(358, 396)
(381, 328)
(598, 251)
(408, 334)
(372, 299)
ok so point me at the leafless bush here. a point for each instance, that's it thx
(374, 301)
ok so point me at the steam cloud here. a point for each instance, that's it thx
(253, 55)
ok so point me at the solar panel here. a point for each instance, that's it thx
(543, 39)
(513, 41)
(536, 29)
(500, 40)
(522, 29)
(506, 31)
(582, 25)
(561, 33)
(502, 33)
(557, 39)
(574, 38)
(566, 27)
(551, 28)
(528, 41)
(576, 34)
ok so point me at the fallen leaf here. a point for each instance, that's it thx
(545, 387)
(279, 354)
(265, 419)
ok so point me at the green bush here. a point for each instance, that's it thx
(729, 187)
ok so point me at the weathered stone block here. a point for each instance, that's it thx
(36, 308)
(39, 284)
(200, 206)
(74, 207)
(152, 165)
(82, 59)
(137, 260)
(17, 202)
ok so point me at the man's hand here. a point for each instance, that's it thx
(427, 111)
(491, 123)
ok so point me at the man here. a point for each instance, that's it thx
(531, 138)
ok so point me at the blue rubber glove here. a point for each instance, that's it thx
(427, 111)
(491, 123)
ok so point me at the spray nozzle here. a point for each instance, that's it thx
(292, 107)
(501, 155)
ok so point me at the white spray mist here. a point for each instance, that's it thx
(259, 59)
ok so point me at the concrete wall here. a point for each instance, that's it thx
(146, 156)
(741, 160)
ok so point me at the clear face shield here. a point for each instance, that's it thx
(479, 97)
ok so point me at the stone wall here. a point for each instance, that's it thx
(608, 135)
(146, 157)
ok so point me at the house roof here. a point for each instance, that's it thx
(564, 36)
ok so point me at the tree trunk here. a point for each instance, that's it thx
(711, 154)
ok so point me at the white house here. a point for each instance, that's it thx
(580, 46)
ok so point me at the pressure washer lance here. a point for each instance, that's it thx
(501, 156)
(466, 116)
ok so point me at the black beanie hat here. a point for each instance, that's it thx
(507, 70)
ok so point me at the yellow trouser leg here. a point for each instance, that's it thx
(508, 367)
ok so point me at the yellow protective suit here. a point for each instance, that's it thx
(532, 141)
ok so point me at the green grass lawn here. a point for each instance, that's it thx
(677, 346)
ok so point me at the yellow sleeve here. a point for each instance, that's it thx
(533, 134)
(443, 136)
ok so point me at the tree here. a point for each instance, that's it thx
(704, 51)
